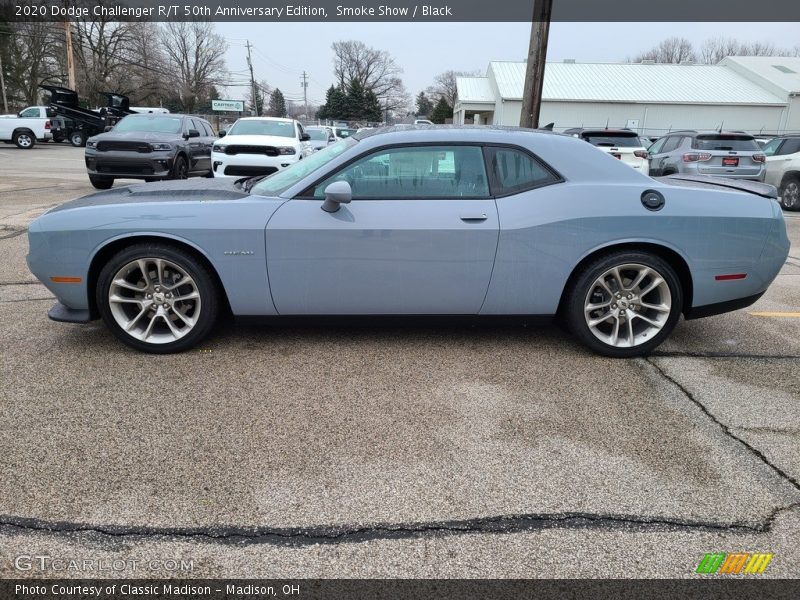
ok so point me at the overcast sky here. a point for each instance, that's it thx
(282, 51)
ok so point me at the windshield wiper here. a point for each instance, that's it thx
(250, 182)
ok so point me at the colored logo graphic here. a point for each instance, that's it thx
(734, 563)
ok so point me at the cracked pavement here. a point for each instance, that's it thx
(399, 449)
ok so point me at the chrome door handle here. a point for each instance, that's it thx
(480, 217)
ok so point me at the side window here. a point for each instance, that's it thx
(514, 171)
(657, 146)
(672, 143)
(195, 124)
(300, 131)
(790, 146)
(207, 127)
(30, 112)
(423, 172)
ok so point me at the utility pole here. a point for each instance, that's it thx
(252, 79)
(305, 93)
(534, 71)
(70, 55)
(3, 86)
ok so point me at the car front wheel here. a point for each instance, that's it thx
(624, 304)
(24, 140)
(157, 298)
(101, 183)
(77, 139)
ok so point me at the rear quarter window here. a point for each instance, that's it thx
(513, 171)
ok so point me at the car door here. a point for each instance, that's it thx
(198, 147)
(419, 237)
(655, 155)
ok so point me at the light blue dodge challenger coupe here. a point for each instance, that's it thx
(417, 221)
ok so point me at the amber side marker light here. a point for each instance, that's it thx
(730, 277)
(65, 279)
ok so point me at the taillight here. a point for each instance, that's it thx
(47, 124)
(696, 157)
(759, 158)
(640, 153)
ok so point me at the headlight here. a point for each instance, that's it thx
(158, 147)
(218, 148)
(91, 144)
(286, 150)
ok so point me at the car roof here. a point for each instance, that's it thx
(284, 119)
(452, 132)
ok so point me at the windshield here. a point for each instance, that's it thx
(152, 124)
(259, 127)
(276, 184)
(617, 140)
(318, 134)
(725, 142)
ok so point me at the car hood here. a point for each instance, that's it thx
(195, 190)
(256, 140)
(137, 136)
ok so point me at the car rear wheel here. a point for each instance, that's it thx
(101, 183)
(24, 140)
(790, 193)
(77, 139)
(157, 298)
(180, 169)
(624, 304)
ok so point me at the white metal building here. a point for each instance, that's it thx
(755, 94)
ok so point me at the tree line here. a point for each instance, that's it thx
(677, 50)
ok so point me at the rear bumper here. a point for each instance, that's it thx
(709, 310)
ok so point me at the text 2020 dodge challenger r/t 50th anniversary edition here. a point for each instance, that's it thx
(417, 221)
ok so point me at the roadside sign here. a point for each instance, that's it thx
(228, 105)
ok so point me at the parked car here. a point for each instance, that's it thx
(25, 129)
(783, 169)
(420, 221)
(150, 147)
(259, 146)
(320, 136)
(728, 154)
(622, 144)
(343, 132)
(423, 122)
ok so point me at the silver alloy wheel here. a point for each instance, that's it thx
(790, 195)
(24, 140)
(154, 300)
(627, 305)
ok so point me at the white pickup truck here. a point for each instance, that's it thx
(27, 127)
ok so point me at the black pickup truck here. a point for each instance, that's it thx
(81, 123)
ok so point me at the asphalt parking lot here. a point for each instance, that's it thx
(390, 450)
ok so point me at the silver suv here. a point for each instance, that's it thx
(726, 154)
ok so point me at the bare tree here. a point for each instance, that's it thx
(671, 50)
(31, 59)
(146, 71)
(444, 85)
(101, 46)
(715, 49)
(375, 70)
(195, 54)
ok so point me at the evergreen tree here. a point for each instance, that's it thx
(372, 112)
(277, 104)
(356, 105)
(441, 112)
(336, 105)
(424, 105)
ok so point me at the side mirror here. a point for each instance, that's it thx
(304, 137)
(331, 139)
(337, 193)
(222, 133)
(107, 128)
(193, 133)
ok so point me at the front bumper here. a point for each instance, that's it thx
(64, 314)
(248, 165)
(131, 165)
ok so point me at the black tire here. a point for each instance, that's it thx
(180, 168)
(790, 192)
(583, 284)
(24, 139)
(204, 282)
(101, 183)
(77, 139)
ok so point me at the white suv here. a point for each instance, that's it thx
(783, 169)
(623, 144)
(259, 146)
